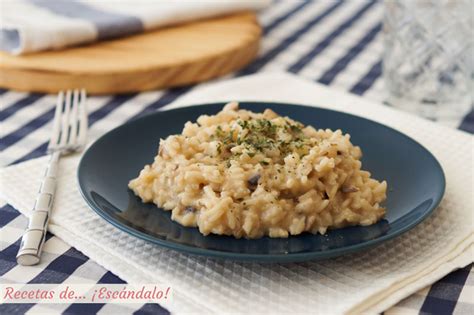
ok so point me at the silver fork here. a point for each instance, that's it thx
(69, 135)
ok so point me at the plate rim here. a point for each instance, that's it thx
(249, 257)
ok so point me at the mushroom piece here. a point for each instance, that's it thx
(253, 181)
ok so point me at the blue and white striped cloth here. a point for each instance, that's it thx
(35, 25)
(336, 43)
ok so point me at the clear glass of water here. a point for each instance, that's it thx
(428, 60)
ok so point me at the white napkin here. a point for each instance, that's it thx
(369, 282)
(35, 25)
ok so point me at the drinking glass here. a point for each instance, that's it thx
(428, 57)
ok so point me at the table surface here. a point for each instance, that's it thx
(335, 43)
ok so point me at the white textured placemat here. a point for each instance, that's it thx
(365, 282)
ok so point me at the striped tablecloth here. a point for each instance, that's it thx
(334, 43)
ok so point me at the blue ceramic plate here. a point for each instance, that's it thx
(415, 179)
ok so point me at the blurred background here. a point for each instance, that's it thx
(412, 55)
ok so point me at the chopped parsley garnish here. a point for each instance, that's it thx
(263, 135)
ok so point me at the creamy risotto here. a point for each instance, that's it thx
(252, 174)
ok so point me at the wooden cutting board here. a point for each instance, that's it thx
(171, 56)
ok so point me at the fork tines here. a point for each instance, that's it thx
(70, 122)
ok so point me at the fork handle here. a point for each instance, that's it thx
(33, 239)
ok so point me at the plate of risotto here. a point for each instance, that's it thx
(266, 182)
